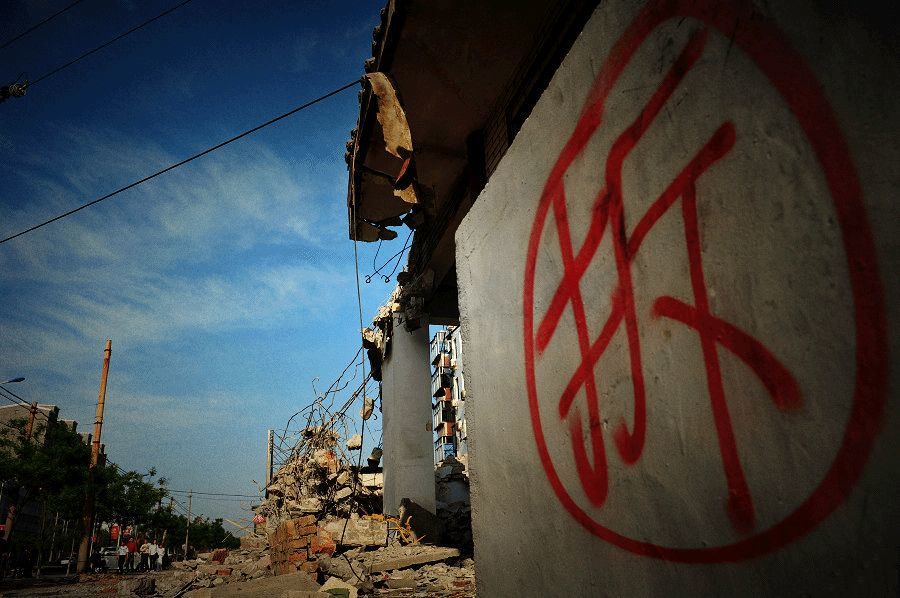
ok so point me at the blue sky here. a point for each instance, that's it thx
(226, 285)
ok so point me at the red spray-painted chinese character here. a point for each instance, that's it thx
(791, 78)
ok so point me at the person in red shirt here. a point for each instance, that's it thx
(132, 548)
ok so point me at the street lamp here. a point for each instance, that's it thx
(13, 380)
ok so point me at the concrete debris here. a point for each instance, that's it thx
(401, 557)
(253, 542)
(453, 505)
(358, 531)
(334, 583)
(413, 570)
(402, 579)
(367, 408)
(319, 479)
(354, 443)
(139, 586)
(391, 116)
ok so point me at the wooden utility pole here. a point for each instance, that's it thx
(270, 447)
(88, 514)
(29, 429)
(187, 531)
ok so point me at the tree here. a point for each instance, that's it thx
(126, 496)
(49, 463)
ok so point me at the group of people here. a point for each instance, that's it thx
(152, 555)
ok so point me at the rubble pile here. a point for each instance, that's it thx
(414, 570)
(318, 479)
(453, 505)
(215, 569)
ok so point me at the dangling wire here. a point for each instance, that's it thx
(397, 256)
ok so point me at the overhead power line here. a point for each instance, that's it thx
(5, 392)
(107, 43)
(185, 161)
(214, 493)
(16, 38)
(225, 499)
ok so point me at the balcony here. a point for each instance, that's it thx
(441, 379)
(443, 413)
(439, 345)
(445, 430)
(442, 360)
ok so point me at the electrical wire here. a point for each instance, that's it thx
(362, 434)
(185, 161)
(398, 256)
(21, 402)
(39, 24)
(213, 493)
(107, 43)
(330, 390)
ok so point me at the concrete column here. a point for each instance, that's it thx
(408, 439)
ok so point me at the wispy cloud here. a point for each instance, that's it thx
(183, 253)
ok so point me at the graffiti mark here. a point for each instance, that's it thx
(609, 210)
(760, 40)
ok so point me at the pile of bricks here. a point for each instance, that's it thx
(296, 545)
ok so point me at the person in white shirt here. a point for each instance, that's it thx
(123, 554)
(160, 554)
(154, 549)
(145, 555)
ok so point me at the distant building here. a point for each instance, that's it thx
(28, 521)
(448, 389)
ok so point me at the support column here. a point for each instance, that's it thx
(408, 438)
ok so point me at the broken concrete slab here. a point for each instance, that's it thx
(359, 531)
(401, 557)
(267, 586)
(334, 583)
(402, 579)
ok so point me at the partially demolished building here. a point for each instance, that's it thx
(663, 229)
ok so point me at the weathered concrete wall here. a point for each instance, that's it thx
(408, 443)
(679, 302)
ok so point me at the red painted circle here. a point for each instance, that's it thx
(786, 71)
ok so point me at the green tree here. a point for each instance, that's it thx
(126, 496)
(50, 463)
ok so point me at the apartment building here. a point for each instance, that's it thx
(448, 392)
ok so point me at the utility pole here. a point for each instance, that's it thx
(270, 447)
(187, 531)
(29, 429)
(88, 514)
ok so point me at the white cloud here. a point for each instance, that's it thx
(199, 249)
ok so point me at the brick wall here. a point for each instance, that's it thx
(296, 544)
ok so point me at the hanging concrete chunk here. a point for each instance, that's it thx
(367, 408)
(391, 116)
(354, 443)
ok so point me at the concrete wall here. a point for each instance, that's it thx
(408, 442)
(679, 301)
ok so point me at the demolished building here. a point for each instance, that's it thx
(662, 229)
